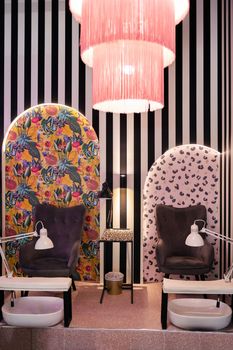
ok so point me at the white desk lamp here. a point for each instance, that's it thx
(43, 242)
(194, 239)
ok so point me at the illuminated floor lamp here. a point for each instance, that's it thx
(194, 239)
(123, 201)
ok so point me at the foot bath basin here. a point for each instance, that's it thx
(199, 314)
(33, 311)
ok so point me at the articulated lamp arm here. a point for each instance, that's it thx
(18, 237)
(216, 235)
(11, 239)
(5, 263)
(228, 274)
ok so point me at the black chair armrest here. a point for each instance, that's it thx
(206, 252)
(74, 255)
(162, 252)
(27, 252)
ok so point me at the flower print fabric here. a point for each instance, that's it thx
(51, 154)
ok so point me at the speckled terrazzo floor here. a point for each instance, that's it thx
(116, 311)
(115, 324)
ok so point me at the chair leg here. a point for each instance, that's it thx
(203, 279)
(164, 301)
(1, 302)
(73, 284)
(232, 306)
(67, 307)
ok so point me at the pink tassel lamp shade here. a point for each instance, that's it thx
(107, 21)
(128, 77)
(181, 9)
(128, 43)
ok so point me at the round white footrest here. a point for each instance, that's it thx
(199, 314)
(34, 311)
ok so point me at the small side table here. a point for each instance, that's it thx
(122, 236)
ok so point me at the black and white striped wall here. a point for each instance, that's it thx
(39, 62)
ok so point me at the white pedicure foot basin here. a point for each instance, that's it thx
(199, 314)
(34, 311)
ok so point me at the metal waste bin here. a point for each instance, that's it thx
(114, 282)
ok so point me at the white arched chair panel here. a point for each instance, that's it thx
(183, 176)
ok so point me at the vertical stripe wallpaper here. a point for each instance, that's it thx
(40, 62)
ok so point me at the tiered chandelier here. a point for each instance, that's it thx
(128, 43)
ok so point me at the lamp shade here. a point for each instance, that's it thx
(43, 242)
(105, 192)
(181, 9)
(128, 43)
(194, 239)
(128, 77)
(105, 22)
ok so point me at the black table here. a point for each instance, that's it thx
(124, 285)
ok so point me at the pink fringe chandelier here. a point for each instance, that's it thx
(128, 43)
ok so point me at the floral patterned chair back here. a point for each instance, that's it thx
(183, 176)
(51, 155)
